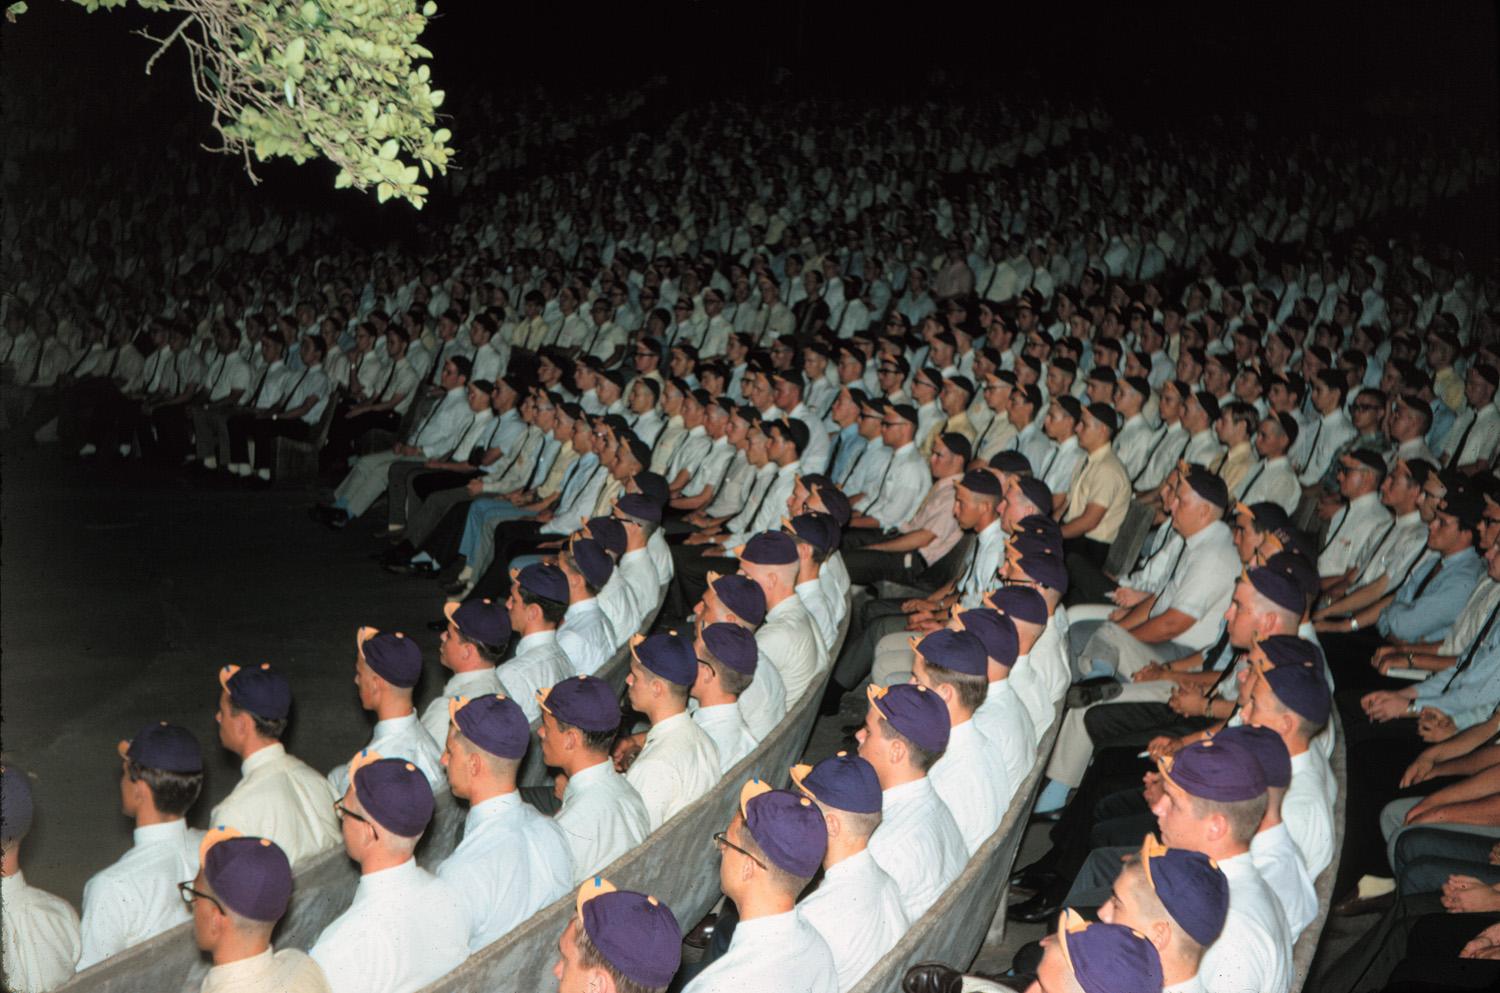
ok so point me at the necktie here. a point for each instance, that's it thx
(287, 398)
(1336, 529)
(72, 370)
(1378, 546)
(531, 480)
(434, 374)
(1463, 663)
(1251, 484)
(389, 375)
(1463, 441)
(113, 362)
(36, 367)
(1427, 580)
(833, 453)
(1155, 441)
(964, 584)
(1050, 459)
(771, 482)
(1312, 448)
(849, 473)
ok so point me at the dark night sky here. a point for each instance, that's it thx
(1294, 64)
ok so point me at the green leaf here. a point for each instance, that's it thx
(296, 51)
(429, 8)
(389, 149)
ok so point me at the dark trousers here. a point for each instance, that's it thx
(873, 619)
(1378, 756)
(1382, 958)
(1348, 654)
(116, 421)
(170, 435)
(1085, 558)
(443, 540)
(265, 432)
(512, 538)
(346, 432)
(1426, 857)
(691, 565)
(867, 567)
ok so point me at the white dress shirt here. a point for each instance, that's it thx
(1352, 535)
(731, 735)
(638, 569)
(1169, 446)
(586, 637)
(918, 844)
(1272, 481)
(1004, 721)
(789, 639)
(1061, 467)
(290, 970)
(764, 702)
(857, 909)
(986, 558)
(972, 779)
(902, 488)
(399, 738)
(1403, 542)
(782, 952)
(539, 664)
(1254, 951)
(282, 798)
(815, 456)
(1330, 433)
(136, 898)
(814, 595)
(602, 817)
(512, 862)
(1133, 445)
(1307, 809)
(617, 601)
(479, 682)
(677, 764)
(1478, 442)
(1202, 585)
(404, 928)
(40, 936)
(1202, 448)
(1280, 864)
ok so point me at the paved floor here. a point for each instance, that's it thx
(122, 593)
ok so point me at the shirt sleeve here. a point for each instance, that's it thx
(103, 925)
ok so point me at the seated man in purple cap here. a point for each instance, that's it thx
(585, 635)
(474, 641)
(976, 506)
(602, 816)
(1002, 717)
(918, 843)
(616, 599)
(386, 668)
(677, 762)
(1100, 493)
(1097, 958)
(405, 927)
(971, 777)
(1213, 797)
(738, 600)
(619, 941)
(40, 931)
(134, 899)
(1289, 697)
(512, 861)
(278, 796)
(928, 534)
(817, 538)
(1187, 615)
(538, 602)
(773, 846)
(788, 637)
(640, 519)
(727, 657)
(237, 897)
(857, 907)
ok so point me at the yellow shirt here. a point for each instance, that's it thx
(1101, 480)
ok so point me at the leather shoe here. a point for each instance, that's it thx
(1025, 962)
(1354, 905)
(932, 977)
(1046, 816)
(1095, 690)
(1033, 878)
(410, 569)
(702, 933)
(1040, 909)
(439, 626)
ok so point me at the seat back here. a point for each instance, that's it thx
(1130, 539)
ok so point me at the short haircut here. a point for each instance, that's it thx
(172, 792)
(789, 884)
(733, 681)
(265, 727)
(971, 689)
(921, 758)
(1244, 816)
(552, 610)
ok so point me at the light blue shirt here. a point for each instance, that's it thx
(1469, 696)
(850, 444)
(1429, 619)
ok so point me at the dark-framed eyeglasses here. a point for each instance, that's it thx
(343, 811)
(721, 838)
(191, 896)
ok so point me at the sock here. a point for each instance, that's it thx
(124, 451)
(1373, 886)
(1052, 797)
(422, 558)
(210, 463)
(465, 574)
(1099, 668)
(341, 504)
(88, 449)
(263, 473)
(393, 528)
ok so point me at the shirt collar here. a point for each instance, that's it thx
(394, 877)
(539, 639)
(263, 757)
(394, 725)
(244, 970)
(581, 607)
(494, 809)
(667, 726)
(164, 833)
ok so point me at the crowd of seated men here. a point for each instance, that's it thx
(715, 430)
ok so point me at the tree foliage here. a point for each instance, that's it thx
(338, 79)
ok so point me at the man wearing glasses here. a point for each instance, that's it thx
(236, 899)
(405, 927)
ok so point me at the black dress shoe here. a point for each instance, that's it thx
(702, 933)
(1025, 963)
(441, 625)
(1046, 816)
(1095, 690)
(1040, 909)
(1354, 905)
(932, 977)
(409, 569)
(1034, 878)
(455, 588)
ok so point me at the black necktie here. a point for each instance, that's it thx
(1426, 580)
(288, 397)
(1155, 440)
(390, 375)
(1244, 493)
(833, 453)
(1383, 535)
(260, 385)
(1463, 440)
(437, 365)
(81, 360)
(36, 367)
(1313, 448)
(1332, 534)
(1463, 663)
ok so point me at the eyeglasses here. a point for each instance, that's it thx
(721, 839)
(343, 811)
(190, 895)
(1368, 406)
(891, 424)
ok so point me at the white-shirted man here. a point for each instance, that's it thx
(387, 666)
(538, 602)
(586, 636)
(677, 762)
(727, 660)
